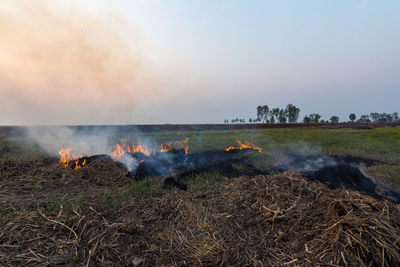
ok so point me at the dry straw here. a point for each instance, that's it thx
(277, 220)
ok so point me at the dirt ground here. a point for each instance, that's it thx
(280, 219)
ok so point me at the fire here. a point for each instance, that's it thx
(67, 157)
(121, 149)
(183, 144)
(247, 145)
(77, 165)
(165, 147)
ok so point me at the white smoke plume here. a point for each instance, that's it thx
(85, 143)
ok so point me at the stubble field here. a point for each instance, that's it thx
(101, 215)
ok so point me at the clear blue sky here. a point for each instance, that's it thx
(210, 60)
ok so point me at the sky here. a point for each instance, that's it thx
(66, 62)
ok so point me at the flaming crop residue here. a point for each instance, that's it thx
(247, 145)
(121, 149)
(67, 158)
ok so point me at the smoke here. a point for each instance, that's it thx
(59, 63)
(90, 141)
(85, 143)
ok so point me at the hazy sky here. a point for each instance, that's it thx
(187, 61)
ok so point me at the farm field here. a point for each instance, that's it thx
(100, 215)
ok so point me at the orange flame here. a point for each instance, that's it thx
(247, 145)
(165, 148)
(183, 144)
(66, 157)
(121, 149)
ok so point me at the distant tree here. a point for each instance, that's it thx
(396, 116)
(334, 119)
(374, 116)
(265, 111)
(250, 120)
(260, 114)
(307, 119)
(352, 117)
(283, 116)
(389, 117)
(314, 117)
(274, 115)
(383, 117)
(292, 112)
(317, 117)
(364, 118)
(271, 117)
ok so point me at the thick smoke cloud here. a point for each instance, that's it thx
(60, 65)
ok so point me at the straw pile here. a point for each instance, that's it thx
(280, 220)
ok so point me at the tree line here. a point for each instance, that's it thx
(376, 117)
(291, 113)
(266, 115)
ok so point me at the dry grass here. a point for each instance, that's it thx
(32, 180)
(280, 220)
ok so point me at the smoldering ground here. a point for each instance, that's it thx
(97, 144)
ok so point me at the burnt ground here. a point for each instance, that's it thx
(335, 171)
(314, 210)
(31, 180)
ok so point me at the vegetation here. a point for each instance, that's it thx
(334, 119)
(291, 114)
(312, 118)
(379, 117)
(352, 117)
(103, 217)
